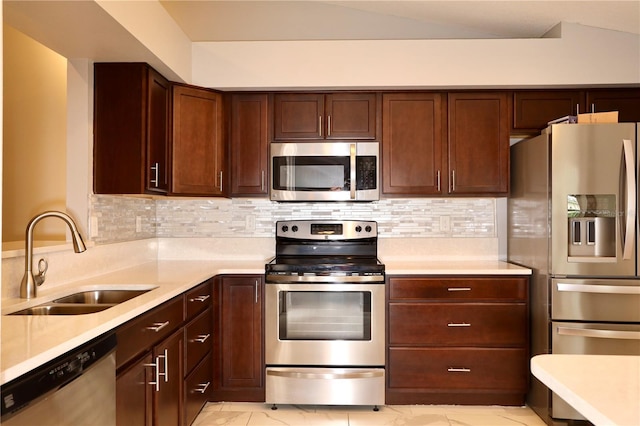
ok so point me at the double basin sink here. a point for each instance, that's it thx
(84, 302)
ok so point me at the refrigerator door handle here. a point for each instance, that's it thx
(629, 239)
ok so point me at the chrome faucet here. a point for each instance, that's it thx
(29, 281)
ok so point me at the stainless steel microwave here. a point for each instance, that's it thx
(325, 171)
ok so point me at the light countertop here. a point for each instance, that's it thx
(29, 341)
(603, 388)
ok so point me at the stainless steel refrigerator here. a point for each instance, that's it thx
(572, 219)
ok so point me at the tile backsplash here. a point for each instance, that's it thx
(121, 218)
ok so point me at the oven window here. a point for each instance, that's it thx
(324, 315)
(311, 173)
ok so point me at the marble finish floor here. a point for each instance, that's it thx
(255, 414)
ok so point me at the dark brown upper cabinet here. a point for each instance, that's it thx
(131, 129)
(333, 116)
(198, 148)
(249, 145)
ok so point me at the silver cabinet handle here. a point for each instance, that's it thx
(458, 324)
(596, 288)
(352, 166)
(629, 242)
(202, 338)
(293, 374)
(256, 289)
(602, 334)
(200, 298)
(438, 180)
(262, 180)
(157, 374)
(156, 169)
(220, 180)
(328, 125)
(320, 125)
(453, 181)
(459, 289)
(202, 387)
(458, 370)
(165, 357)
(157, 326)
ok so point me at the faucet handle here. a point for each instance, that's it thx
(43, 265)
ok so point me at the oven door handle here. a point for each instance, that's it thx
(352, 171)
(296, 374)
(602, 334)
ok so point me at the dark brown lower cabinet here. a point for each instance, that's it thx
(457, 340)
(238, 354)
(163, 362)
(134, 394)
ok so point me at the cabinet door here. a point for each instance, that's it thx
(298, 116)
(249, 145)
(239, 353)
(167, 401)
(158, 133)
(198, 145)
(625, 101)
(134, 394)
(130, 135)
(351, 116)
(533, 109)
(412, 143)
(478, 143)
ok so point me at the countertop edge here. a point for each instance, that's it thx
(175, 277)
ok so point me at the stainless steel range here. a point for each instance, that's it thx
(325, 315)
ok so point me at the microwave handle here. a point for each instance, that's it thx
(352, 174)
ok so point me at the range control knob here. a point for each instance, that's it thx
(285, 228)
(368, 228)
(294, 228)
(358, 228)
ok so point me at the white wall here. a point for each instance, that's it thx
(570, 55)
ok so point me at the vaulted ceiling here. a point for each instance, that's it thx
(237, 20)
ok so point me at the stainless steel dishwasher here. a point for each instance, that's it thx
(77, 388)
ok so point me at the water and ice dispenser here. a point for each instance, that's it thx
(592, 227)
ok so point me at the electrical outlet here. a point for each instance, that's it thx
(445, 224)
(93, 225)
(138, 224)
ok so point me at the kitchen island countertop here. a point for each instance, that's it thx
(30, 341)
(603, 388)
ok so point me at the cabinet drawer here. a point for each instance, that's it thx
(196, 390)
(458, 368)
(454, 324)
(148, 329)
(198, 339)
(475, 288)
(198, 299)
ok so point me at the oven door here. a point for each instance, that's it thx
(336, 325)
(333, 171)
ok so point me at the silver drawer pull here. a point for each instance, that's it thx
(166, 365)
(598, 333)
(200, 298)
(202, 338)
(458, 324)
(157, 326)
(202, 387)
(459, 289)
(458, 370)
(599, 288)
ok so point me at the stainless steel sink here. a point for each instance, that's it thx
(100, 296)
(60, 309)
(84, 302)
